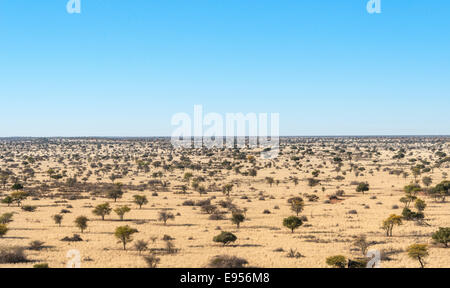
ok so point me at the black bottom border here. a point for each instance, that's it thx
(249, 278)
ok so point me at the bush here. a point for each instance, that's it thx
(151, 260)
(3, 230)
(216, 216)
(312, 197)
(41, 266)
(188, 203)
(74, 238)
(411, 215)
(358, 263)
(209, 209)
(361, 243)
(225, 238)
(6, 218)
(338, 261)
(12, 255)
(170, 247)
(164, 216)
(29, 208)
(8, 200)
(225, 261)
(292, 253)
(140, 246)
(36, 245)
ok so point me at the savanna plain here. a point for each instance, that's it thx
(139, 202)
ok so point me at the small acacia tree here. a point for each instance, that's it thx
(121, 211)
(124, 233)
(270, 181)
(427, 181)
(390, 222)
(116, 192)
(140, 246)
(58, 219)
(292, 223)
(4, 178)
(227, 189)
(361, 243)
(165, 216)
(442, 236)
(237, 218)
(441, 190)
(81, 222)
(225, 238)
(418, 251)
(420, 205)
(337, 261)
(18, 197)
(362, 187)
(8, 200)
(140, 200)
(102, 210)
(412, 189)
(297, 205)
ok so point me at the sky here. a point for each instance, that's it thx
(124, 68)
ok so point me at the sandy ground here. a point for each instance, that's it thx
(330, 229)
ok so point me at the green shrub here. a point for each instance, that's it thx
(225, 238)
(41, 266)
(338, 261)
(29, 208)
(3, 230)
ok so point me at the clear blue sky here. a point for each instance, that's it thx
(123, 68)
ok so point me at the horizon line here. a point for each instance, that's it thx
(281, 136)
